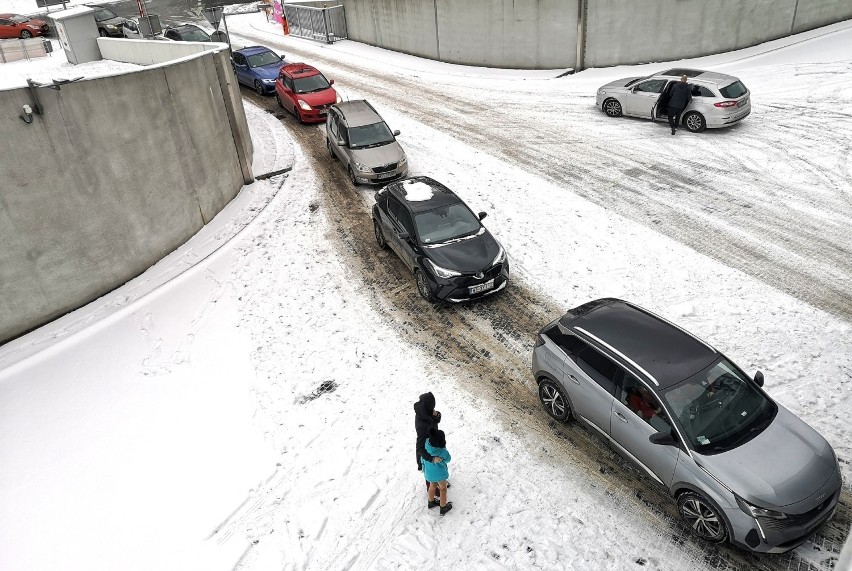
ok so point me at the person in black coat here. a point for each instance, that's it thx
(426, 419)
(679, 98)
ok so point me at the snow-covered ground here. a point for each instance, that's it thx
(247, 403)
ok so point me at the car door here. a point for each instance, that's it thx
(289, 98)
(393, 228)
(641, 99)
(590, 378)
(241, 69)
(407, 247)
(8, 28)
(637, 415)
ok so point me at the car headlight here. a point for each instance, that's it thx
(268, 81)
(442, 272)
(33, 27)
(501, 257)
(111, 26)
(338, 100)
(304, 105)
(403, 160)
(755, 511)
(361, 167)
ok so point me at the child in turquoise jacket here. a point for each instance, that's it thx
(437, 473)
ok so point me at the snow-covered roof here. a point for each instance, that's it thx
(416, 191)
(71, 12)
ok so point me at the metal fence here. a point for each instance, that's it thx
(14, 50)
(324, 24)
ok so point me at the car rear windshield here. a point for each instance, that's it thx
(446, 223)
(193, 35)
(20, 19)
(310, 84)
(262, 59)
(734, 90)
(367, 136)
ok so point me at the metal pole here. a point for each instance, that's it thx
(581, 36)
(227, 35)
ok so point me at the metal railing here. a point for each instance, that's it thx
(14, 50)
(323, 24)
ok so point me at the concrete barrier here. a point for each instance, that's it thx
(113, 175)
(542, 34)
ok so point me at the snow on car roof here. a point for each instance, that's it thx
(416, 191)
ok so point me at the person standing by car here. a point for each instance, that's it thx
(426, 419)
(679, 99)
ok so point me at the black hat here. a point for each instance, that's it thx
(437, 438)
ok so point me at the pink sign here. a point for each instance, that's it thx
(278, 12)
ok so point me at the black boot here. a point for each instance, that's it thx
(434, 503)
(446, 508)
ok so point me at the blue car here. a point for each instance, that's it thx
(258, 68)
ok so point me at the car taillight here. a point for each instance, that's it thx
(725, 104)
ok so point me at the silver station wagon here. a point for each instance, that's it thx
(718, 100)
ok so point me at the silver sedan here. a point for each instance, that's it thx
(718, 100)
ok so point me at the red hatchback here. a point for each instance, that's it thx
(17, 26)
(305, 92)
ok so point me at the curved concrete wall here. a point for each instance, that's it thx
(116, 173)
(542, 34)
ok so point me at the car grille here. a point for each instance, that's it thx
(800, 520)
(491, 272)
(385, 168)
(45, 28)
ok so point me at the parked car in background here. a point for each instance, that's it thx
(257, 67)
(718, 100)
(18, 26)
(360, 138)
(108, 23)
(186, 33)
(453, 257)
(741, 466)
(305, 92)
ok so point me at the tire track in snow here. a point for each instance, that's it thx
(487, 346)
(805, 253)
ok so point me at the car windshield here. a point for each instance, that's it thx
(194, 35)
(367, 136)
(734, 90)
(104, 14)
(20, 19)
(263, 58)
(718, 408)
(310, 84)
(446, 223)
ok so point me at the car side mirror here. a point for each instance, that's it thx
(331, 82)
(758, 378)
(404, 235)
(341, 142)
(396, 133)
(662, 438)
(482, 215)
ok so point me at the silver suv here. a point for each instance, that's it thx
(718, 100)
(359, 137)
(741, 466)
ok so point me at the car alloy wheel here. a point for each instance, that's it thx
(102, 33)
(258, 87)
(554, 401)
(612, 108)
(694, 122)
(297, 113)
(25, 34)
(423, 286)
(702, 517)
(352, 178)
(328, 146)
(380, 237)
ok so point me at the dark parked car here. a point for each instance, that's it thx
(452, 255)
(741, 466)
(186, 33)
(17, 26)
(258, 67)
(109, 24)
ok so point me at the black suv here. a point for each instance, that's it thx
(442, 242)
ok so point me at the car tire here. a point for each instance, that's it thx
(26, 34)
(102, 33)
(423, 286)
(554, 400)
(297, 113)
(278, 99)
(695, 122)
(703, 518)
(258, 87)
(380, 236)
(612, 107)
(352, 178)
(328, 146)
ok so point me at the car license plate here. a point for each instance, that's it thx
(481, 287)
(742, 102)
(385, 174)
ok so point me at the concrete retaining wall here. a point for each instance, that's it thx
(116, 173)
(542, 34)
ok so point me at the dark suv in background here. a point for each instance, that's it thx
(108, 22)
(452, 255)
